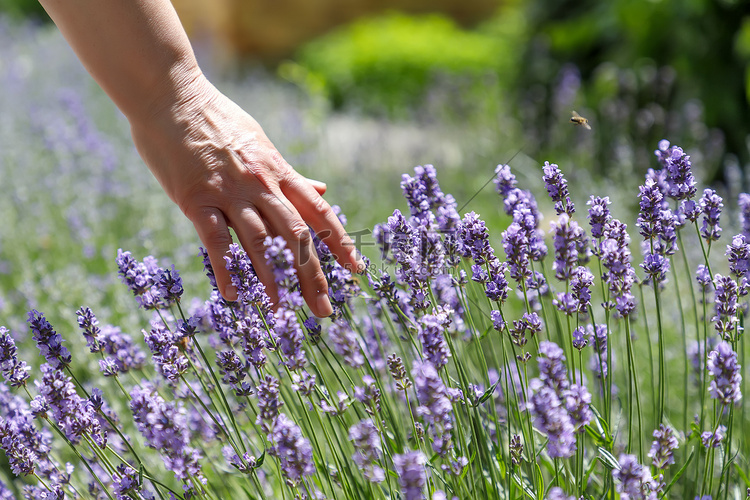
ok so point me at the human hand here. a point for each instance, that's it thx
(216, 163)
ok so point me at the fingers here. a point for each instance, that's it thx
(318, 213)
(284, 220)
(319, 186)
(214, 233)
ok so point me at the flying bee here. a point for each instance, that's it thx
(579, 120)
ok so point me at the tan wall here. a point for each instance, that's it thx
(272, 29)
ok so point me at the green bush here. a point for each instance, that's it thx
(383, 64)
(23, 8)
(703, 46)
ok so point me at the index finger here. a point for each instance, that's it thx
(320, 216)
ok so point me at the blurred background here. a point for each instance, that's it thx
(357, 92)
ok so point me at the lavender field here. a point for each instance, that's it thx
(524, 331)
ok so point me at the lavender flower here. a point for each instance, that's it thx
(714, 439)
(529, 322)
(290, 338)
(90, 326)
(369, 395)
(577, 402)
(522, 206)
(579, 338)
(5, 492)
(207, 267)
(375, 339)
(281, 261)
(504, 180)
(680, 180)
(135, 275)
(313, 330)
(689, 210)
(498, 323)
(598, 336)
(18, 417)
(552, 418)
(567, 234)
(233, 372)
(253, 335)
(423, 194)
(703, 277)
(711, 205)
(170, 362)
(15, 371)
(662, 448)
(723, 367)
(412, 478)
(168, 285)
(414, 265)
(249, 288)
(558, 493)
(651, 204)
(291, 448)
(475, 239)
(245, 465)
(341, 287)
(616, 257)
(432, 336)
(303, 382)
(346, 344)
(268, 402)
(633, 481)
(725, 302)
(153, 287)
(125, 482)
(565, 303)
(552, 371)
(655, 266)
(336, 407)
(744, 205)
(557, 187)
(516, 449)
(738, 255)
(580, 285)
(164, 427)
(398, 372)
(364, 435)
(497, 288)
(122, 353)
(74, 415)
(598, 215)
(516, 245)
(48, 340)
(435, 407)
(20, 458)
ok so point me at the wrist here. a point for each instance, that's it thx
(169, 96)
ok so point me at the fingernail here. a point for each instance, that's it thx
(324, 305)
(316, 183)
(230, 293)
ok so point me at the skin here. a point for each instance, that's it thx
(211, 157)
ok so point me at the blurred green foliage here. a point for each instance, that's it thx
(386, 64)
(641, 70)
(706, 43)
(23, 8)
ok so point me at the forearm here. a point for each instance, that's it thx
(136, 50)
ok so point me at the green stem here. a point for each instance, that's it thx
(634, 380)
(662, 366)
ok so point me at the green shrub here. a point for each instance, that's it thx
(23, 8)
(385, 63)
